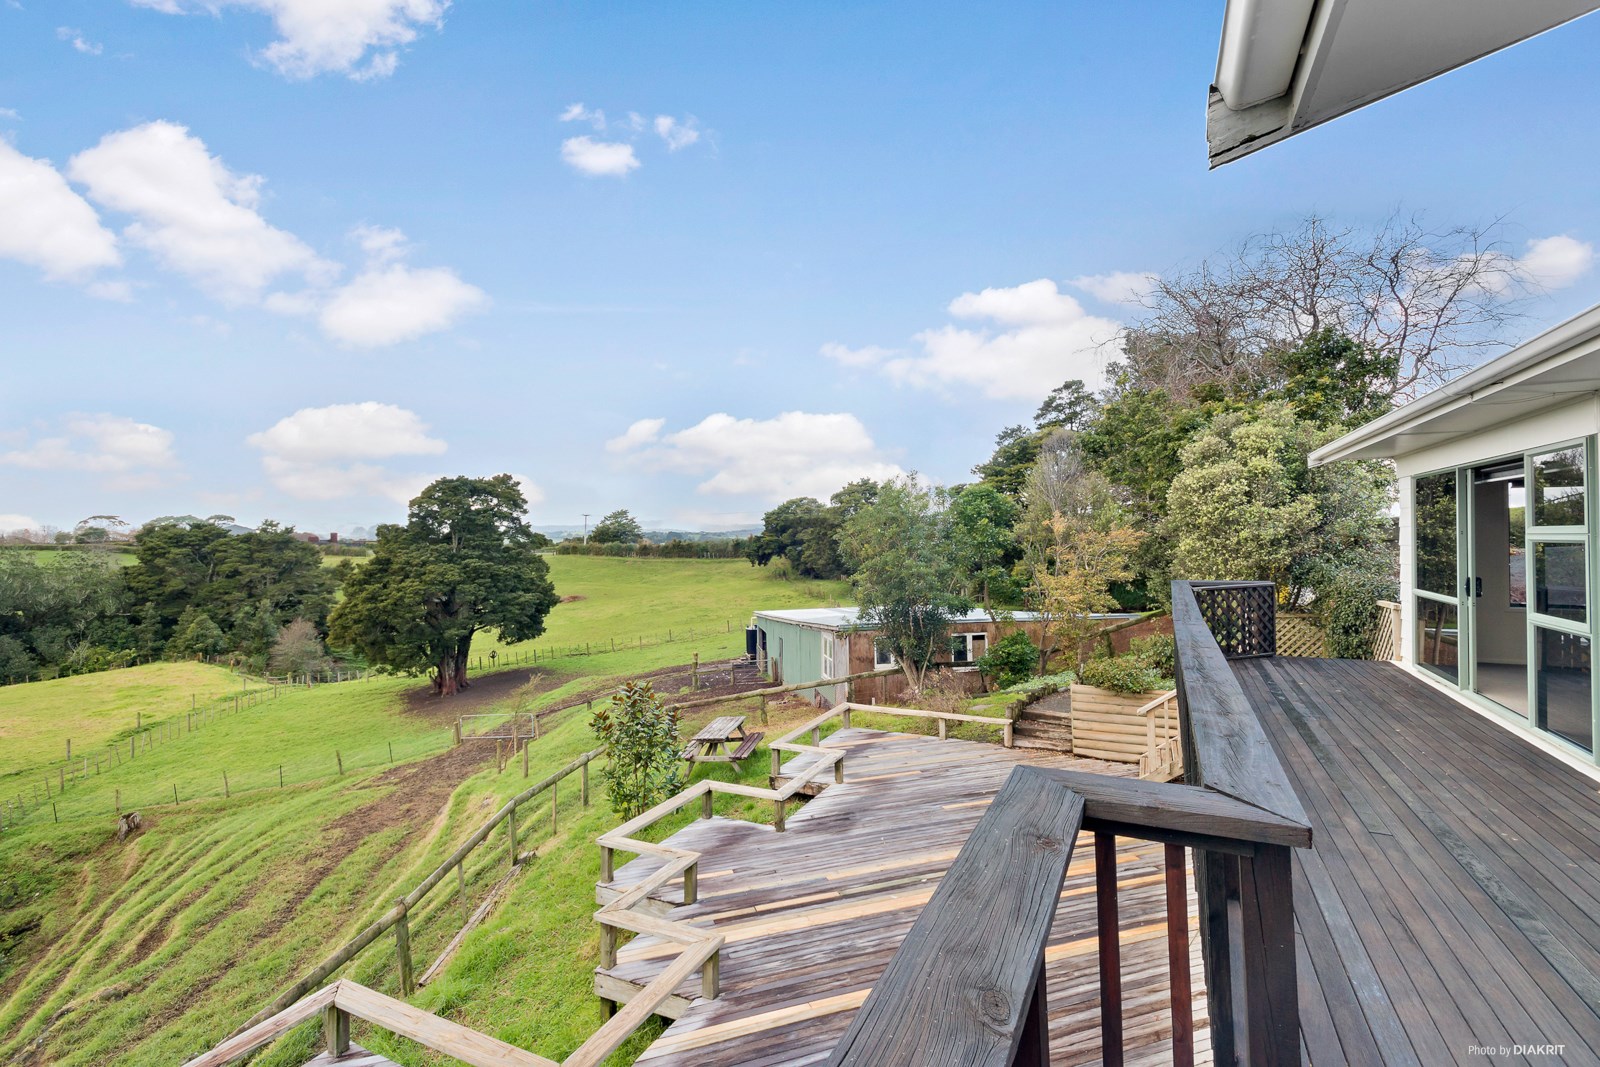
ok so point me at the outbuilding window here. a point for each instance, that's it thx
(967, 649)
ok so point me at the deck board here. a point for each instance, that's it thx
(1452, 898)
(813, 915)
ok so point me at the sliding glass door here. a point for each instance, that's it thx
(1504, 578)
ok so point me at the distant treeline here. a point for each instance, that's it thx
(194, 591)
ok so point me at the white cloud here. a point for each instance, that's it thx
(530, 492)
(578, 113)
(795, 454)
(390, 302)
(1117, 287)
(78, 41)
(676, 134)
(196, 216)
(1555, 262)
(130, 454)
(329, 452)
(9, 523)
(866, 356)
(599, 158)
(45, 224)
(639, 434)
(1040, 337)
(358, 38)
(10, 113)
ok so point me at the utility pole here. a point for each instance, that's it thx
(585, 529)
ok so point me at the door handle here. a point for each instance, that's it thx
(1478, 592)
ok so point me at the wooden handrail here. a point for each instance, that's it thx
(1246, 897)
(345, 1000)
(966, 986)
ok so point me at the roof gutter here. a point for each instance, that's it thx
(1260, 47)
(1508, 369)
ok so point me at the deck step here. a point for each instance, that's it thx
(1041, 743)
(1037, 714)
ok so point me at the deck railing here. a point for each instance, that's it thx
(958, 993)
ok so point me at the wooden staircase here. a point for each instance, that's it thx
(1046, 725)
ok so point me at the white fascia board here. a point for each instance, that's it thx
(1260, 48)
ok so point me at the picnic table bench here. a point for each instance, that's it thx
(711, 744)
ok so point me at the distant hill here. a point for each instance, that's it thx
(656, 537)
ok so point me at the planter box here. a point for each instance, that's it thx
(1105, 724)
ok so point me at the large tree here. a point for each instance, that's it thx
(907, 575)
(617, 528)
(983, 524)
(464, 562)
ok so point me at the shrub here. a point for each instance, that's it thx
(640, 733)
(1347, 609)
(1011, 660)
(1159, 652)
(197, 636)
(1124, 674)
(1044, 684)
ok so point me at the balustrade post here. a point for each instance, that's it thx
(336, 1030)
(1271, 990)
(711, 976)
(1178, 958)
(1108, 933)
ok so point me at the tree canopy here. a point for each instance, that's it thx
(464, 562)
(617, 528)
(907, 576)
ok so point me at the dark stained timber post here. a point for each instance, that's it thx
(1178, 959)
(1033, 1047)
(1108, 934)
(1272, 1003)
(1211, 883)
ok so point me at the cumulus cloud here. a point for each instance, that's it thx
(676, 134)
(329, 452)
(598, 158)
(195, 215)
(10, 113)
(795, 454)
(1555, 262)
(1117, 287)
(78, 41)
(13, 522)
(865, 356)
(127, 453)
(358, 38)
(44, 224)
(390, 302)
(1036, 338)
(640, 433)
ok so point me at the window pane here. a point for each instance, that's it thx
(1558, 489)
(1564, 687)
(1559, 580)
(1438, 638)
(1436, 533)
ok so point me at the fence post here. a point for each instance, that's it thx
(555, 799)
(583, 785)
(461, 890)
(511, 832)
(225, 793)
(336, 1030)
(694, 674)
(402, 948)
(339, 760)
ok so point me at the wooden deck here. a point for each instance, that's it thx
(813, 915)
(1451, 900)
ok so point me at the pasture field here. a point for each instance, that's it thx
(37, 719)
(149, 950)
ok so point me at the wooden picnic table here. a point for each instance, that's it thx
(710, 743)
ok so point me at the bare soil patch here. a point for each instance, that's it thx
(481, 691)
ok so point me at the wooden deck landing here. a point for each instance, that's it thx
(1451, 900)
(813, 915)
(356, 1057)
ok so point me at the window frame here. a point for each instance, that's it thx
(971, 661)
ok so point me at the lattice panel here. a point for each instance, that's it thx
(1242, 616)
(1386, 639)
(1299, 635)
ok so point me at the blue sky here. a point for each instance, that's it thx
(259, 260)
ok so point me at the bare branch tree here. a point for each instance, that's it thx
(1435, 299)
